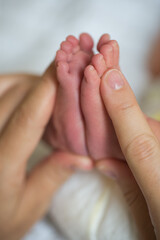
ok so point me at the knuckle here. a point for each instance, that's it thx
(125, 107)
(142, 147)
(23, 117)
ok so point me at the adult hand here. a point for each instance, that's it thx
(24, 199)
(13, 89)
(139, 176)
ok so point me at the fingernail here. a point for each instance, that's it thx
(114, 79)
(108, 173)
(86, 163)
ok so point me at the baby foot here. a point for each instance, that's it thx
(101, 138)
(66, 125)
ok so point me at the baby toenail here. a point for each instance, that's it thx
(91, 68)
(109, 48)
(114, 79)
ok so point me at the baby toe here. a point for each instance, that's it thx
(86, 42)
(62, 72)
(66, 46)
(99, 63)
(103, 40)
(107, 52)
(115, 47)
(73, 40)
(60, 56)
(91, 75)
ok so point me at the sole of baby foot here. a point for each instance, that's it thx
(71, 60)
(101, 138)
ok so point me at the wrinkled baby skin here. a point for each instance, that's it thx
(66, 128)
(79, 122)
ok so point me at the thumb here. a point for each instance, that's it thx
(46, 178)
(138, 143)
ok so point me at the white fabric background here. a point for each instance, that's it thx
(31, 31)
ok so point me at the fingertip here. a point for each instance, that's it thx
(115, 169)
(73, 161)
(112, 81)
(104, 166)
(85, 164)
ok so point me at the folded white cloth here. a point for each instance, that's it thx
(90, 207)
(43, 230)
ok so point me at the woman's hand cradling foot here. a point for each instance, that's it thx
(13, 89)
(24, 199)
(139, 177)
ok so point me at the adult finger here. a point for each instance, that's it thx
(9, 81)
(45, 179)
(25, 128)
(119, 171)
(138, 143)
(11, 99)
